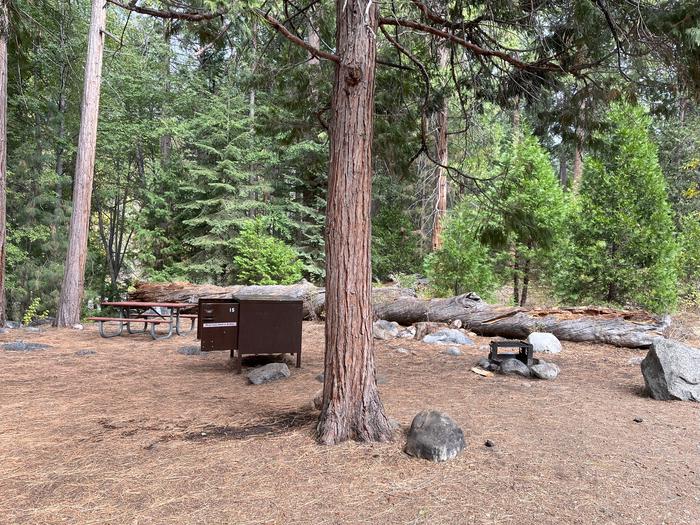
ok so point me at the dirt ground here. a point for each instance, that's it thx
(140, 434)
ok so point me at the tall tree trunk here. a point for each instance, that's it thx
(563, 178)
(61, 132)
(443, 53)
(351, 405)
(526, 282)
(74, 273)
(4, 33)
(166, 140)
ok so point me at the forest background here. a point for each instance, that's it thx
(212, 160)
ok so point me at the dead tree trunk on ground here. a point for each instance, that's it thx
(74, 273)
(632, 329)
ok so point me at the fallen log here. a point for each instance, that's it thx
(631, 329)
(312, 296)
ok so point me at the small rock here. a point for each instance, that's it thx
(3, 330)
(77, 326)
(21, 346)
(381, 379)
(514, 366)
(267, 373)
(317, 401)
(12, 324)
(434, 436)
(382, 329)
(487, 364)
(402, 351)
(408, 333)
(472, 335)
(637, 420)
(545, 370)
(189, 350)
(448, 336)
(85, 352)
(488, 443)
(636, 360)
(321, 377)
(427, 327)
(33, 329)
(457, 323)
(394, 424)
(453, 351)
(671, 370)
(544, 342)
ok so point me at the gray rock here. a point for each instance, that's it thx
(267, 373)
(453, 350)
(487, 364)
(33, 329)
(544, 342)
(671, 370)
(448, 336)
(408, 333)
(382, 329)
(636, 360)
(434, 436)
(189, 350)
(321, 377)
(85, 352)
(545, 370)
(514, 366)
(42, 322)
(21, 346)
(317, 401)
(3, 330)
(381, 379)
(12, 324)
(457, 323)
(402, 351)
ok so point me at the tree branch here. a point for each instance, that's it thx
(295, 39)
(191, 16)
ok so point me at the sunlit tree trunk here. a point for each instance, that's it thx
(4, 33)
(74, 273)
(443, 53)
(351, 405)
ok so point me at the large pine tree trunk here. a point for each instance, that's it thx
(441, 151)
(351, 405)
(74, 272)
(4, 31)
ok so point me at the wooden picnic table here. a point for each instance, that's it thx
(148, 314)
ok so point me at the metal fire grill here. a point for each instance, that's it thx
(251, 325)
(524, 351)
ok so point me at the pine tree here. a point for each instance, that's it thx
(622, 249)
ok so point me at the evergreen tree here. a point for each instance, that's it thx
(623, 249)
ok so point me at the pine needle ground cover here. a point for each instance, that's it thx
(139, 433)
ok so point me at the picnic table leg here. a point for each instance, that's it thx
(126, 313)
(299, 359)
(154, 334)
(183, 332)
(101, 327)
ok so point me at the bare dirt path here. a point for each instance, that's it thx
(137, 433)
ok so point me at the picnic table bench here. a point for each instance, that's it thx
(148, 314)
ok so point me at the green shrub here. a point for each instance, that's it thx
(689, 257)
(462, 264)
(263, 259)
(395, 246)
(622, 247)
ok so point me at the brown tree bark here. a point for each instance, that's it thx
(351, 405)
(74, 273)
(4, 33)
(443, 54)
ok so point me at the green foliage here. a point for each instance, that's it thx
(263, 259)
(528, 210)
(623, 249)
(32, 312)
(395, 246)
(689, 256)
(462, 264)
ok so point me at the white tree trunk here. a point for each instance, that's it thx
(4, 31)
(441, 154)
(74, 274)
